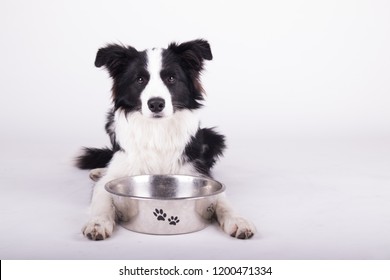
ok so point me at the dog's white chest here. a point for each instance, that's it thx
(155, 146)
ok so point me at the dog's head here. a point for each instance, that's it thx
(156, 82)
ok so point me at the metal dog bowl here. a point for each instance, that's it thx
(165, 204)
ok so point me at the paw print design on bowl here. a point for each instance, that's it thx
(173, 220)
(160, 214)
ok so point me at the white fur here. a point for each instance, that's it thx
(232, 223)
(154, 146)
(155, 86)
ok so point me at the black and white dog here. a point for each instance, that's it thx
(154, 128)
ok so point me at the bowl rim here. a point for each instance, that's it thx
(221, 190)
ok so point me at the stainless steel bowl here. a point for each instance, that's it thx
(165, 204)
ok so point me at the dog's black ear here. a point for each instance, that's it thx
(193, 52)
(115, 58)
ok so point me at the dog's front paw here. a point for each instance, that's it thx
(97, 173)
(238, 227)
(98, 229)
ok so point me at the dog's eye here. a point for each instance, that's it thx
(171, 80)
(140, 80)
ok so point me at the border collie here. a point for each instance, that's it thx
(154, 128)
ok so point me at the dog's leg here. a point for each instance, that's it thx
(101, 223)
(231, 223)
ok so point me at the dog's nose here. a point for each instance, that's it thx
(156, 105)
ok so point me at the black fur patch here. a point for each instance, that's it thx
(94, 158)
(204, 149)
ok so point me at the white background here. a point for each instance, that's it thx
(300, 88)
